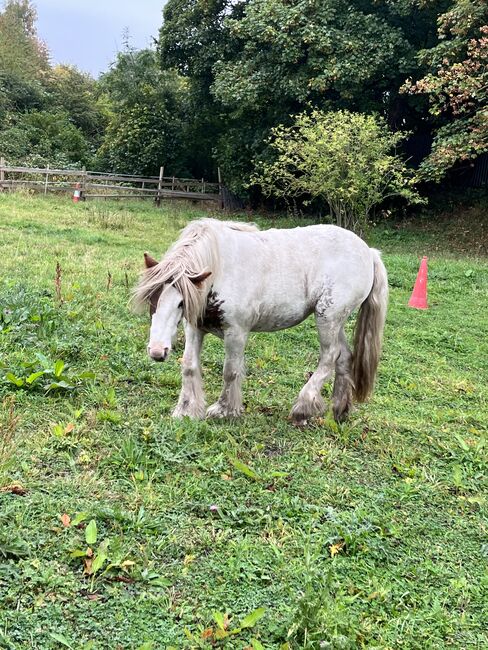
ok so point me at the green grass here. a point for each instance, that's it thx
(370, 534)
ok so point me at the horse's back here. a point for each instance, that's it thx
(278, 277)
(310, 251)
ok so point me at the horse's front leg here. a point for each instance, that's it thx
(229, 403)
(192, 398)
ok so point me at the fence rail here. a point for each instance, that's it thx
(105, 185)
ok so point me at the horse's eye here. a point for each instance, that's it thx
(180, 306)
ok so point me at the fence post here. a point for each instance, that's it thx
(47, 180)
(83, 183)
(2, 173)
(160, 186)
(221, 190)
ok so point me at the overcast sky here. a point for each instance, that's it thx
(88, 33)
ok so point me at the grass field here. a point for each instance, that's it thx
(121, 528)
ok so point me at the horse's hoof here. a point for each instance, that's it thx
(217, 410)
(341, 407)
(193, 413)
(341, 411)
(299, 419)
(339, 416)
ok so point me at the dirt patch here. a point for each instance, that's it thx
(464, 230)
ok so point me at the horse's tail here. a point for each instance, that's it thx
(368, 336)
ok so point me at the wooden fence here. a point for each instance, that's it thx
(109, 186)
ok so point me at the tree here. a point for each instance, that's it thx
(295, 52)
(47, 115)
(44, 137)
(194, 36)
(23, 59)
(78, 94)
(346, 158)
(21, 51)
(457, 87)
(252, 64)
(147, 125)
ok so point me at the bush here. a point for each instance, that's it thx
(346, 158)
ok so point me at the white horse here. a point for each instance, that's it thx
(230, 279)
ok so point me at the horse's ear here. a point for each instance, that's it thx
(149, 261)
(198, 279)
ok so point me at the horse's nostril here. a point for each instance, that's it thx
(158, 353)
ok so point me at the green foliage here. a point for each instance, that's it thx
(22, 54)
(457, 87)
(253, 64)
(25, 314)
(48, 115)
(193, 38)
(147, 123)
(17, 94)
(345, 158)
(295, 52)
(41, 372)
(79, 95)
(48, 137)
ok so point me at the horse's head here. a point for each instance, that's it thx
(166, 308)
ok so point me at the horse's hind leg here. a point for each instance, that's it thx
(342, 393)
(192, 398)
(310, 402)
(229, 403)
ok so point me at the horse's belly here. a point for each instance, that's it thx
(275, 320)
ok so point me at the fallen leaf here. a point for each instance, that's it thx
(336, 548)
(14, 488)
(66, 520)
(69, 427)
(88, 566)
(208, 633)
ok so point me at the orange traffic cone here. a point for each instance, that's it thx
(418, 299)
(77, 193)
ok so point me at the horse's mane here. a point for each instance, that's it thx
(193, 253)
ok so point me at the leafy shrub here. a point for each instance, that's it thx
(346, 158)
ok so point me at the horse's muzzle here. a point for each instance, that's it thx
(158, 352)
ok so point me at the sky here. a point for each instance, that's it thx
(89, 33)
